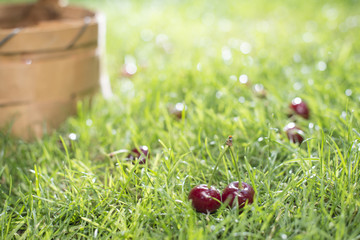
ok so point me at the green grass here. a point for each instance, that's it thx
(51, 191)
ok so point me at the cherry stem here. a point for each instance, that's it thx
(236, 166)
(217, 164)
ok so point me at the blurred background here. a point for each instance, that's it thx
(182, 35)
(287, 49)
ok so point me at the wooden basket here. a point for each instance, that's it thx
(46, 68)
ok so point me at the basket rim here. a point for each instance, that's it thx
(49, 25)
(64, 33)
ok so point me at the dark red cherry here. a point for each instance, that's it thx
(142, 155)
(299, 107)
(205, 199)
(244, 194)
(295, 134)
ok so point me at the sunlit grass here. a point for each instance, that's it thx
(194, 53)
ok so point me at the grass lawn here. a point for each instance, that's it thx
(64, 186)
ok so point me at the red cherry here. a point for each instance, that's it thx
(204, 199)
(294, 133)
(299, 107)
(135, 154)
(245, 194)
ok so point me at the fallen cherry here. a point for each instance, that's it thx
(205, 199)
(177, 110)
(244, 194)
(259, 91)
(141, 156)
(128, 70)
(294, 133)
(299, 107)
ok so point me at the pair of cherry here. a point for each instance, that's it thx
(297, 107)
(208, 199)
